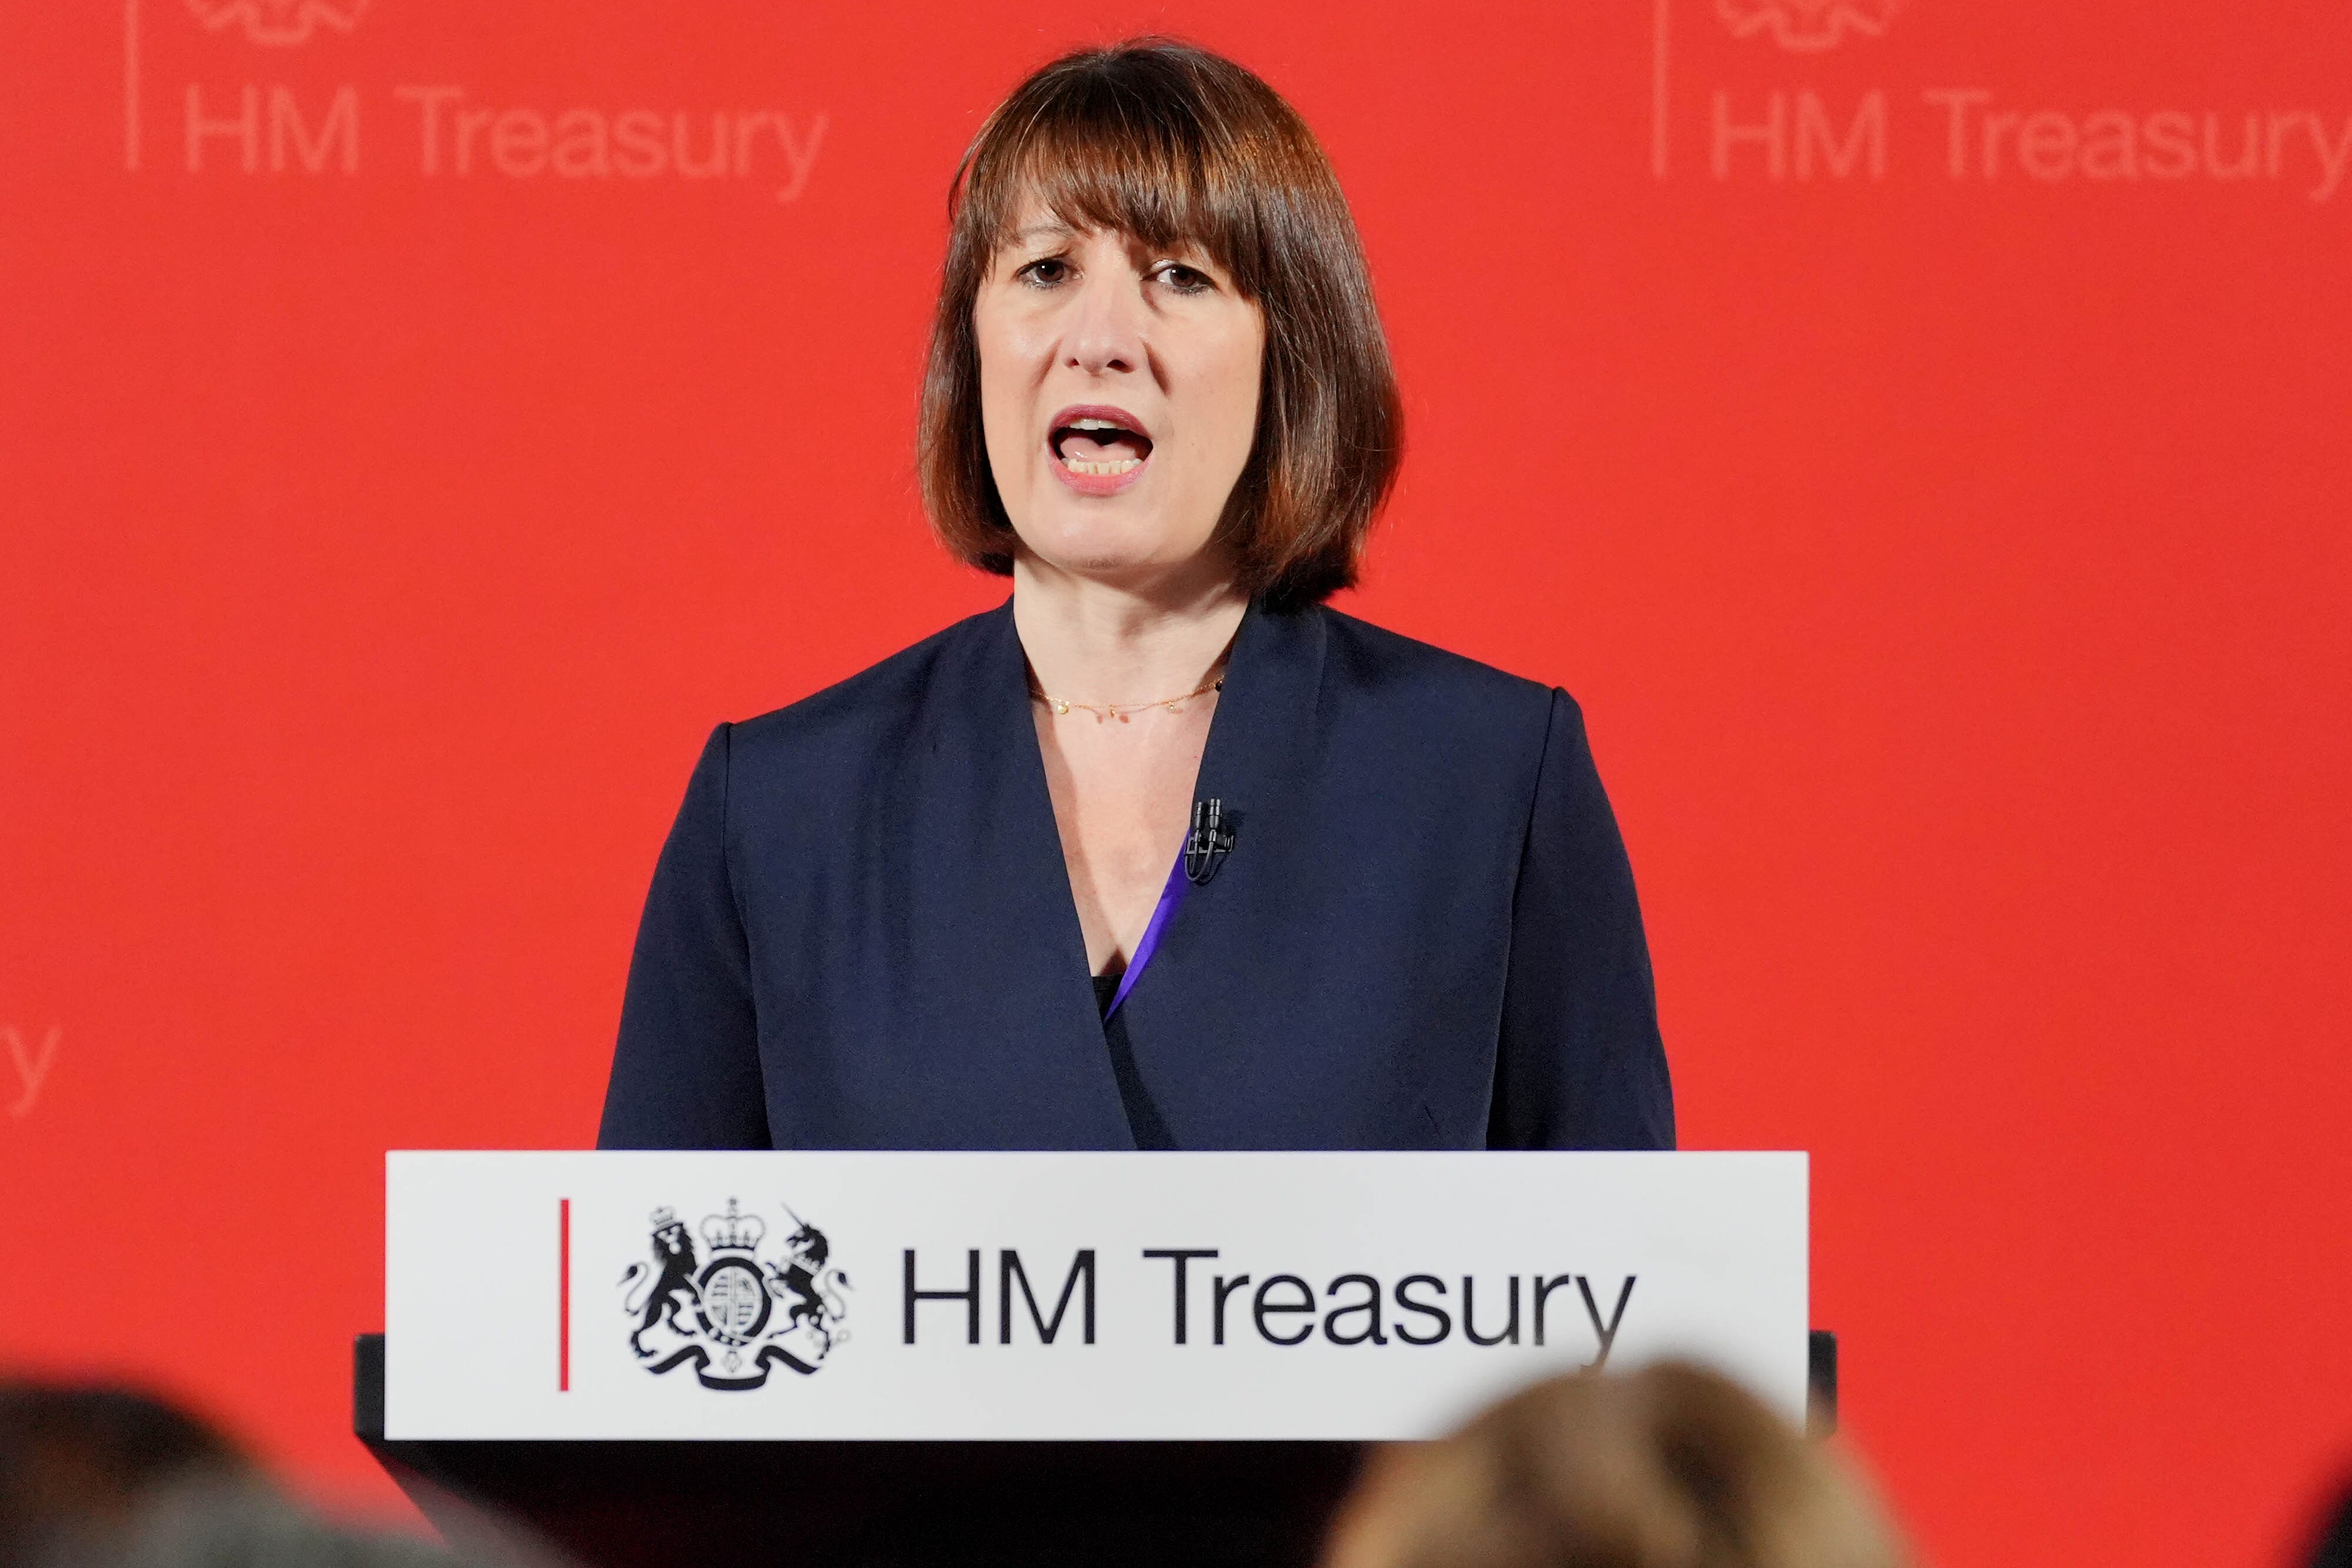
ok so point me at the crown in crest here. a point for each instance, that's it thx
(663, 1219)
(731, 1231)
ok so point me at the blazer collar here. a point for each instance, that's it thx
(1262, 739)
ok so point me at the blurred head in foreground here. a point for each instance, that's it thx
(96, 1476)
(76, 1464)
(243, 1527)
(1671, 1467)
(2334, 1547)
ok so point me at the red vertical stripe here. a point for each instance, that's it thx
(563, 1300)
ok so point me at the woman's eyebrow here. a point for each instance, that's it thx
(1054, 227)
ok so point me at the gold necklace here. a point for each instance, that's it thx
(1121, 711)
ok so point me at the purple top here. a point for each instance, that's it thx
(1179, 884)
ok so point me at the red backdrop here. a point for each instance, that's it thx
(1916, 432)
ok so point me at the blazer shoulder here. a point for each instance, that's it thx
(1382, 663)
(868, 709)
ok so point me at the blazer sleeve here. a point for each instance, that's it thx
(686, 1072)
(1579, 1064)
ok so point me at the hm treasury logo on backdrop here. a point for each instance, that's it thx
(1852, 121)
(278, 22)
(733, 1316)
(235, 112)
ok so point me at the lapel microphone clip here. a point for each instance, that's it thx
(1206, 845)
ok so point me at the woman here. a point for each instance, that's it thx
(1160, 400)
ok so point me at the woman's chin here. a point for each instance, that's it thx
(1089, 548)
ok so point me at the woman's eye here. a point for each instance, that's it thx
(1045, 272)
(1184, 279)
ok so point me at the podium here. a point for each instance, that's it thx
(656, 1359)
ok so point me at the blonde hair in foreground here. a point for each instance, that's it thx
(1671, 1467)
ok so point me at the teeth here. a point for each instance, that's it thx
(1116, 465)
(1095, 424)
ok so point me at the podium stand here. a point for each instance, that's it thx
(1178, 1439)
(883, 1505)
(876, 1504)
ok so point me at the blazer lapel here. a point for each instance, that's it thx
(1022, 970)
(1261, 761)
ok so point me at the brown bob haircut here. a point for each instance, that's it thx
(1174, 145)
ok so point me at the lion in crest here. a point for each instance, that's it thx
(668, 1283)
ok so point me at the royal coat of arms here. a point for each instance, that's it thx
(728, 1313)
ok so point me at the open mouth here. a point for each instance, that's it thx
(1100, 445)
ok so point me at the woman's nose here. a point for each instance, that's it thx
(1106, 333)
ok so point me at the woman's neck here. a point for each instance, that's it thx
(1094, 641)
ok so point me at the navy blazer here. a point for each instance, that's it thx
(860, 934)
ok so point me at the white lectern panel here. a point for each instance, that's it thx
(1197, 1296)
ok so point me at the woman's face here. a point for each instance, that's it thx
(1119, 395)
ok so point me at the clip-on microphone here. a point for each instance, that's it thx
(1206, 845)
